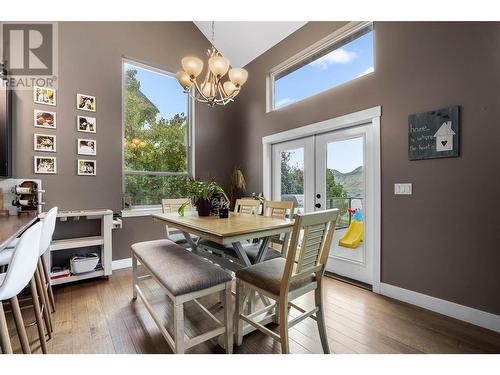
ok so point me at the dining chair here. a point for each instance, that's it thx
(20, 272)
(169, 205)
(284, 280)
(278, 210)
(247, 206)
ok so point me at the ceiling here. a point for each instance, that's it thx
(241, 42)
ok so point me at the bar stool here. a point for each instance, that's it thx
(21, 272)
(42, 276)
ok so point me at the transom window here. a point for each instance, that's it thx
(334, 62)
(157, 158)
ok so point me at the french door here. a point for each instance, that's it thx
(333, 170)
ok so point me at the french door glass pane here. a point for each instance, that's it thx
(292, 177)
(344, 177)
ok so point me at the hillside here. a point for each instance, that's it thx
(351, 181)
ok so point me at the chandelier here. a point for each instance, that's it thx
(215, 87)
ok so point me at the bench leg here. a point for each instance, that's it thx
(240, 305)
(228, 318)
(179, 328)
(134, 277)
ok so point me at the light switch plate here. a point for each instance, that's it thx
(403, 189)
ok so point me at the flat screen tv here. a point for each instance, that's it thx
(5, 126)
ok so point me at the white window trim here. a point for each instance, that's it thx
(138, 211)
(334, 38)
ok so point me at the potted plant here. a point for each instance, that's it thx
(201, 194)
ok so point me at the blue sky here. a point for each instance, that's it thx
(162, 90)
(341, 65)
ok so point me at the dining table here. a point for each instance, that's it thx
(236, 230)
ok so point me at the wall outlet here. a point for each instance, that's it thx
(403, 189)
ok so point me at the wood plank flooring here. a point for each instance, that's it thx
(98, 316)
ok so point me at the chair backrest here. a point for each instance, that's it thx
(172, 205)
(247, 206)
(23, 263)
(48, 227)
(278, 209)
(309, 253)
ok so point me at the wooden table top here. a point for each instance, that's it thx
(237, 227)
(13, 226)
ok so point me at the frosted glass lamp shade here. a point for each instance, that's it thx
(238, 76)
(184, 80)
(229, 88)
(192, 66)
(206, 89)
(218, 65)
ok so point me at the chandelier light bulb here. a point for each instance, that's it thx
(238, 76)
(184, 80)
(192, 66)
(229, 87)
(218, 65)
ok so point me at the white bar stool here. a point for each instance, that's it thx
(21, 270)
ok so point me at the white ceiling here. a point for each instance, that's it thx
(241, 42)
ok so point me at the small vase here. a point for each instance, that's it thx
(203, 206)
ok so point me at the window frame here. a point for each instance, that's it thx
(298, 59)
(190, 137)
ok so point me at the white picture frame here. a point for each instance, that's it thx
(41, 142)
(86, 147)
(86, 124)
(83, 167)
(45, 164)
(45, 96)
(85, 102)
(44, 119)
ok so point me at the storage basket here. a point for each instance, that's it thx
(84, 263)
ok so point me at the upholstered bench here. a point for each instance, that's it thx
(184, 277)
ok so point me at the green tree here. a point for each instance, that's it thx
(333, 189)
(292, 176)
(152, 144)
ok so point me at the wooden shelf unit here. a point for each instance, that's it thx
(103, 240)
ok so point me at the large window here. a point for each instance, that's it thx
(157, 133)
(334, 62)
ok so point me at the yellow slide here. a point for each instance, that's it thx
(353, 235)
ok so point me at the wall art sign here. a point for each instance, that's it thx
(434, 134)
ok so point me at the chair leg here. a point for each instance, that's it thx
(21, 330)
(134, 277)
(43, 306)
(283, 314)
(240, 305)
(179, 328)
(320, 315)
(228, 318)
(45, 294)
(4, 333)
(38, 316)
(49, 284)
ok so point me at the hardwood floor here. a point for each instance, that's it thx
(99, 317)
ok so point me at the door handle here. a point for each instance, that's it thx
(317, 205)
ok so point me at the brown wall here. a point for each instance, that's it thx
(90, 58)
(444, 240)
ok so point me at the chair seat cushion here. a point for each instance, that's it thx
(268, 275)
(251, 249)
(177, 269)
(6, 256)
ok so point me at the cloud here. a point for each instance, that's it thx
(339, 56)
(283, 102)
(367, 71)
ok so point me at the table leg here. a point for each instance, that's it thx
(189, 239)
(261, 255)
(241, 254)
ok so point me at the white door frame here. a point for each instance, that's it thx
(364, 117)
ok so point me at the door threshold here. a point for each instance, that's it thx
(348, 280)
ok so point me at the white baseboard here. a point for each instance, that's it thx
(467, 314)
(121, 263)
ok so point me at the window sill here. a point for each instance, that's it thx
(141, 212)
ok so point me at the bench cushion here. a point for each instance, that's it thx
(252, 249)
(267, 276)
(177, 269)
